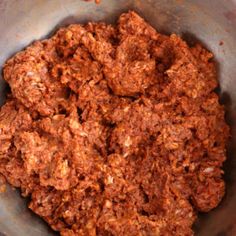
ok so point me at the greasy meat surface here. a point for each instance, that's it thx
(114, 130)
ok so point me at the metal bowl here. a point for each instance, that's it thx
(213, 23)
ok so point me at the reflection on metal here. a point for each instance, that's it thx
(24, 21)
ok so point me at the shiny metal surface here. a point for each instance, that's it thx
(212, 22)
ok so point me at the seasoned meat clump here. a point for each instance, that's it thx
(114, 130)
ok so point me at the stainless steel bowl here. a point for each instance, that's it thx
(211, 22)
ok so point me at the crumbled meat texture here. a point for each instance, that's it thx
(114, 130)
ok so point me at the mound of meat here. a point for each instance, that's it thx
(114, 130)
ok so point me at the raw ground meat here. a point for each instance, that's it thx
(114, 130)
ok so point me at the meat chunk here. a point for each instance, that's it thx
(13, 118)
(28, 76)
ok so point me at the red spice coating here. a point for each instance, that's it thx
(114, 130)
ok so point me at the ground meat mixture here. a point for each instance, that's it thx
(114, 130)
